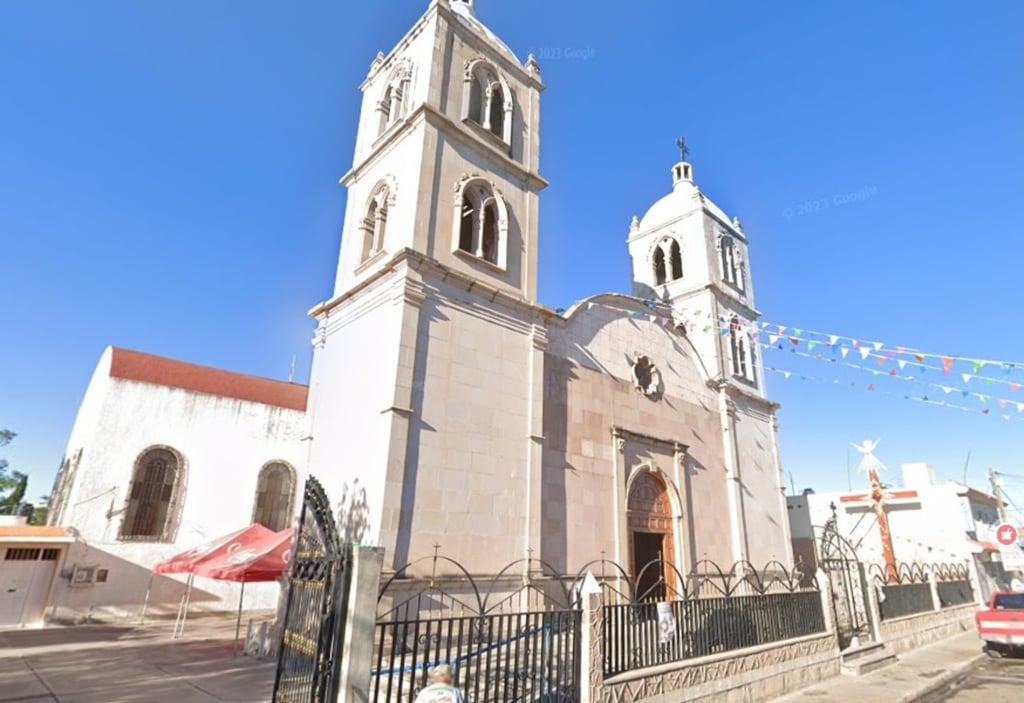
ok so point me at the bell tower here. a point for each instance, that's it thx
(435, 283)
(686, 252)
(447, 156)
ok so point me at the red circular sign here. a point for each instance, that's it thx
(1007, 535)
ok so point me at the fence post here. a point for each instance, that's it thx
(361, 620)
(874, 607)
(825, 591)
(591, 640)
(936, 602)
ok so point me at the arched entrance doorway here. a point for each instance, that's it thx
(651, 537)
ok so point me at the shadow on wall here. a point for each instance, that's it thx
(94, 585)
(353, 513)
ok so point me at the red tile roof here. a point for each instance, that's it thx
(138, 366)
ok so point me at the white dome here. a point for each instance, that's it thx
(677, 203)
(464, 11)
(684, 198)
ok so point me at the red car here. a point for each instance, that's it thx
(1001, 624)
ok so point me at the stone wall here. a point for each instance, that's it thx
(903, 634)
(753, 675)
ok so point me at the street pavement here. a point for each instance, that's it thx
(128, 663)
(988, 681)
(913, 677)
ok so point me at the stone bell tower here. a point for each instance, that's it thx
(686, 252)
(431, 318)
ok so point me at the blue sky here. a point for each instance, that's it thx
(169, 183)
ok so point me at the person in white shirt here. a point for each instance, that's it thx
(440, 689)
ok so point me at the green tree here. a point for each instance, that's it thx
(12, 483)
(42, 511)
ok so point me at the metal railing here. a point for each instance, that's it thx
(500, 657)
(707, 612)
(636, 637)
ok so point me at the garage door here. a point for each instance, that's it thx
(25, 575)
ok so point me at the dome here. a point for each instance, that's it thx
(684, 198)
(464, 11)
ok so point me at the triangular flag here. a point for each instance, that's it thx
(864, 351)
(902, 363)
(664, 322)
(772, 339)
(946, 389)
(833, 338)
(877, 345)
(871, 386)
(725, 331)
(978, 365)
(707, 328)
(881, 359)
(984, 398)
(844, 351)
(893, 372)
(1002, 403)
(1014, 386)
(794, 340)
(811, 345)
(947, 364)
(856, 343)
(1020, 407)
(985, 411)
(589, 306)
(919, 357)
(797, 333)
(964, 393)
(787, 374)
(967, 377)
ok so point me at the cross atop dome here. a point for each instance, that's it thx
(683, 149)
(682, 172)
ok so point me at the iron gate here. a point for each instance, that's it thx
(847, 584)
(309, 658)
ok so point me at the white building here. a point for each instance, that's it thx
(163, 456)
(447, 405)
(929, 523)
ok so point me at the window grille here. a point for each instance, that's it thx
(151, 496)
(275, 495)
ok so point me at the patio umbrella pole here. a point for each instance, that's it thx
(188, 599)
(145, 603)
(238, 623)
(179, 624)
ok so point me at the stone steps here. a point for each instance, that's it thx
(863, 658)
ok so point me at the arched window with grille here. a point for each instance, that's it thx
(153, 496)
(275, 496)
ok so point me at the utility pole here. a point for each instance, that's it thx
(997, 492)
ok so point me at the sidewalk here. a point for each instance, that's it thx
(914, 675)
(125, 663)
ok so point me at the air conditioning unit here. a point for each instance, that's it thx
(84, 575)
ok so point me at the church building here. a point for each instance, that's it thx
(446, 405)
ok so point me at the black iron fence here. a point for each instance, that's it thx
(954, 585)
(500, 657)
(708, 611)
(638, 635)
(513, 638)
(906, 591)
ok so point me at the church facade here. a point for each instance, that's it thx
(474, 418)
(447, 408)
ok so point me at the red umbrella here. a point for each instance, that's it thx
(263, 559)
(186, 562)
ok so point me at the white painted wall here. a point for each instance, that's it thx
(224, 443)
